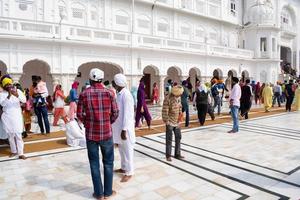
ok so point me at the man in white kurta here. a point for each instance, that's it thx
(12, 119)
(123, 128)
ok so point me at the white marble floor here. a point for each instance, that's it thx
(261, 162)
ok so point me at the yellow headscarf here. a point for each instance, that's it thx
(6, 81)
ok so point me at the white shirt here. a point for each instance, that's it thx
(126, 120)
(235, 95)
(59, 102)
(12, 118)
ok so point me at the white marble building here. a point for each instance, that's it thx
(63, 39)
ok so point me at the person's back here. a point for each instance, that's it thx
(201, 98)
(246, 93)
(97, 111)
(289, 89)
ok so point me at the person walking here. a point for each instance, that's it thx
(59, 105)
(216, 95)
(201, 103)
(290, 94)
(155, 94)
(260, 93)
(257, 93)
(277, 94)
(39, 93)
(73, 98)
(171, 116)
(234, 104)
(12, 117)
(27, 112)
(246, 99)
(97, 110)
(142, 108)
(123, 128)
(185, 102)
(267, 96)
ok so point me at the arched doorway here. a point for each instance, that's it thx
(194, 76)
(151, 76)
(286, 55)
(109, 69)
(232, 73)
(38, 68)
(245, 75)
(218, 74)
(174, 73)
(3, 68)
(263, 76)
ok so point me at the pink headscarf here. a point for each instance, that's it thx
(75, 85)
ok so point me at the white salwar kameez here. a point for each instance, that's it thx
(125, 122)
(12, 120)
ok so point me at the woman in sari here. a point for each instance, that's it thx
(142, 109)
(73, 100)
(59, 104)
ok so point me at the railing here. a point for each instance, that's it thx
(288, 28)
(63, 32)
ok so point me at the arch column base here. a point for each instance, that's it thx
(161, 89)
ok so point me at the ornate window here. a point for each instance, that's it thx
(232, 7)
(185, 31)
(200, 34)
(286, 17)
(263, 44)
(212, 36)
(122, 20)
(163, 27)
(78, 14)
(143, 24)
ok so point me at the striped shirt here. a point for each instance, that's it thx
(171, 110)
(97, 109)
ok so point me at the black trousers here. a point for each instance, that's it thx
(245, 108)
(289, 102)
(169, 134)
(202, 111)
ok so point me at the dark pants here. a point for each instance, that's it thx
(289, 102)
(211, 111)
(202, 111)
(185, 108)
(278, 98)
(107, 151)
(42, 114)
(256, 98)
(169, 134)
(245, 108)
(218, 103)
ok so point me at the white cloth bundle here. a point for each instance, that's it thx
(75, 134)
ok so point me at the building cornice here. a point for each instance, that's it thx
(188, 12)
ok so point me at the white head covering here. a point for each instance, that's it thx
(96, 74)
(120, 80)
(202, 87)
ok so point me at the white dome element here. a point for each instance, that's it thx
(261, 12)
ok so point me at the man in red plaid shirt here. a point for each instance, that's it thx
(97, 109)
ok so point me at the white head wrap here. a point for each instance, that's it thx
(96, 74)
(202, 87)
(120, 80)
